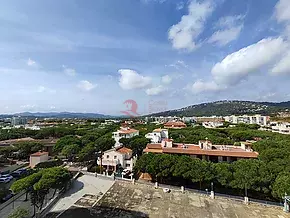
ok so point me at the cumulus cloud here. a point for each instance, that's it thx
(200, 86)
(240, 64)
(130, 79)
(283, 66)
(86, 85)
(69, 71)
(166, 79)
(31, 63)
(155, 90)
(184, 34)
(282, 11)
(229, 29)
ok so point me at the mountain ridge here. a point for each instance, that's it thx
(228, 107)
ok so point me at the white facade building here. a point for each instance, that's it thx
(38, 157)
(210, 125)
(256, 119)
(124, 132)
(280, 127)
(157, 135)
(120, 156)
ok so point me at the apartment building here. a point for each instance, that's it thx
(157, 135)
(124, 132)
(280, 127)
(204, 150)
(256, 119)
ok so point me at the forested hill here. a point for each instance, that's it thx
(223, 108)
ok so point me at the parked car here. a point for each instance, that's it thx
(8, 176)
(18, 173)
(4, 180)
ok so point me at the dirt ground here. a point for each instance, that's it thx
(126, 200)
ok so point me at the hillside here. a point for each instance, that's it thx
(224, 108)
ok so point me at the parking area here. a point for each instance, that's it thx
(125, 200)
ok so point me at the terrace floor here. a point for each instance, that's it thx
(126, 200)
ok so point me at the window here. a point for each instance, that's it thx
(108, 156)
(115, 157)
(127, 165)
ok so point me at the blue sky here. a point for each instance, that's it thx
(91, 56)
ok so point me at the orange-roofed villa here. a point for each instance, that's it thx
(204, 150)
(120, 156)
(174, 125)
(124, 132)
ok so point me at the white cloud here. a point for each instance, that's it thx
(223, 37)
(166, 79)
(130, 79)
(282, 11)
(69, 71)
(42, 89)
(179, 6)
(86, 85)
(31, 63)
(240, 64)
(155, 90)
(229, 30)
(183, 34)
(200, 86)
(283, 66)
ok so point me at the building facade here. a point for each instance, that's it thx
(204, 150)
(174, 125)
(124, 132)
(118, 157)
(157, 135)
(38, 157)
(256, 119)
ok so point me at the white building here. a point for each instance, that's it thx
(212, 124)
(280, 127)
(157, 135)
(124, 132)
(256, 119)
(38, 157)
(120, 156)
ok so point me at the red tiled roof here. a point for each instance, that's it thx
(39, 153)
(195, 150)
(127, 131)
(174, 123)
(124, 150)
(154, 146)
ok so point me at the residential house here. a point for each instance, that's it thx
(38, 157)
(124, 132)
(174, 125)
(157, 135)
(118, 157)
